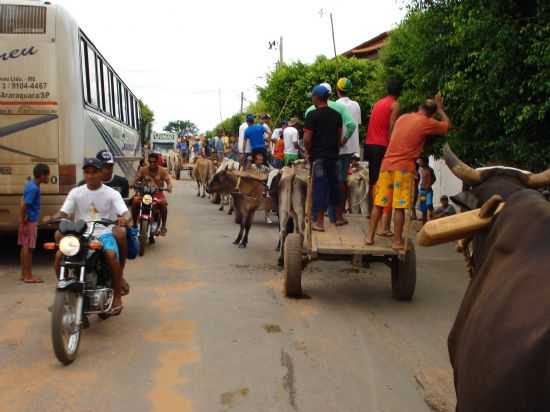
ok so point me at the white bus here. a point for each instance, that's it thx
(60, 101)
(163, 142)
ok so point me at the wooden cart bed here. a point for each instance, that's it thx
(349, 239)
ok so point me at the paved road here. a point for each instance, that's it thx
(206, 328)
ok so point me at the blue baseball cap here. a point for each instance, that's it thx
(320, 91)
(250, 117)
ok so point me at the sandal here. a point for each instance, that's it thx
(398, 248)
(385, 234)
(116, 310)
(33, 280)
(317, 228)
(343, 222)
(369, 242)
(163, 231)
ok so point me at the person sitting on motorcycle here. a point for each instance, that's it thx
(121, 185)
(159, 176)
(95, 201)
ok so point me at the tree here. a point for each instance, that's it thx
(491, 61)
(147, 119)
(182, 127)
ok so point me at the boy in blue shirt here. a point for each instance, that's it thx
(28, 226)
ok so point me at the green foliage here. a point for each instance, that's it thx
(491, 61)
(182, 127)
(229, 126)
(147, 119)
(287, 92)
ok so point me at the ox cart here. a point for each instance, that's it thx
(348, 242)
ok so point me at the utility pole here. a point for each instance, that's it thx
(281, 51)
(242, 102)
(220, 103)
(334, 44)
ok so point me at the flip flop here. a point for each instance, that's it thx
(317, 228)
(342, 223)
(385, 234)
(163, 231)
(369, 243)
(116, 310)
(33, 280)
(399, 248)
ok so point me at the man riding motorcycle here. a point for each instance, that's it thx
(95, 201)
(159, 176)
(121, 185)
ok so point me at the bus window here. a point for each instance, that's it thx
(123, 106)
(92, 70)
(106, 90)
(132, 116)
(116, 98)
(84, 64)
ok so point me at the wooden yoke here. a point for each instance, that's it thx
(456, 227)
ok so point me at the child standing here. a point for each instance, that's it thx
(28, 226)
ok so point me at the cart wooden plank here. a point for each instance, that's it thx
(350, 239)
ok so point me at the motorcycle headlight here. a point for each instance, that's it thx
(147, 200)
(69, 246)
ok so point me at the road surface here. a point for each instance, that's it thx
(206, 328)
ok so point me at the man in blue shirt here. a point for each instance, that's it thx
(255, 134)
(28, 226)
(220, 149)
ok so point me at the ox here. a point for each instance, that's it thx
(499, 344)
(203, 170)
(251, 197)
(358, 184)
(289, 191)
(227, 165)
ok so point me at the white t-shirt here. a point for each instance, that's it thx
(242, 129)
(352, 145)
(290, 134)
(88, 205)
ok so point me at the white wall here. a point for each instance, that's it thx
(447, 183)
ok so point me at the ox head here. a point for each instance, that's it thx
(485, 183)
(221, 182)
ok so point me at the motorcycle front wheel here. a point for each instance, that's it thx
(65, 331)
(143, 236)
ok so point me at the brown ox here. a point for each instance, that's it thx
(499, 344)
(202, 173)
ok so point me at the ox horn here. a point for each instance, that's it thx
(460, 169)
(539, 180)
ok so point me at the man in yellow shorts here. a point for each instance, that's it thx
(395, 184)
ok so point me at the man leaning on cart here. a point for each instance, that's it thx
(394, 186)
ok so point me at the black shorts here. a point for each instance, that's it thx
(374, 154)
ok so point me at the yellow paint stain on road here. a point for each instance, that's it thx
(166, 394)
(168, 296)
(176, 263)
(177, 288)
(172, 331)
(276, 284)
(13, 332)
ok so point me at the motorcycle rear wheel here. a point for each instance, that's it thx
(65, 333)
(143, 236)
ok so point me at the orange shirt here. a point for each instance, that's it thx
(279, 152)
(407, 140)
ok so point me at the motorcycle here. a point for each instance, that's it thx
(149, 216)
(84, 286)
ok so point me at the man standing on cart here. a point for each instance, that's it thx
(322, 139)
(395, 184)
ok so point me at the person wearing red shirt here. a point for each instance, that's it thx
(383, 116)
(396, 181)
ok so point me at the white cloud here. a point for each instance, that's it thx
(177, 55)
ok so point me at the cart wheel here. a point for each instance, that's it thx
(293, 265)
(403, 275)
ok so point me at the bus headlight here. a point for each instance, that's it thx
(69, 246)
(147, 200)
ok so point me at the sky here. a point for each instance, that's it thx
(190, 60)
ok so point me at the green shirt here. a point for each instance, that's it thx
(347, 119)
